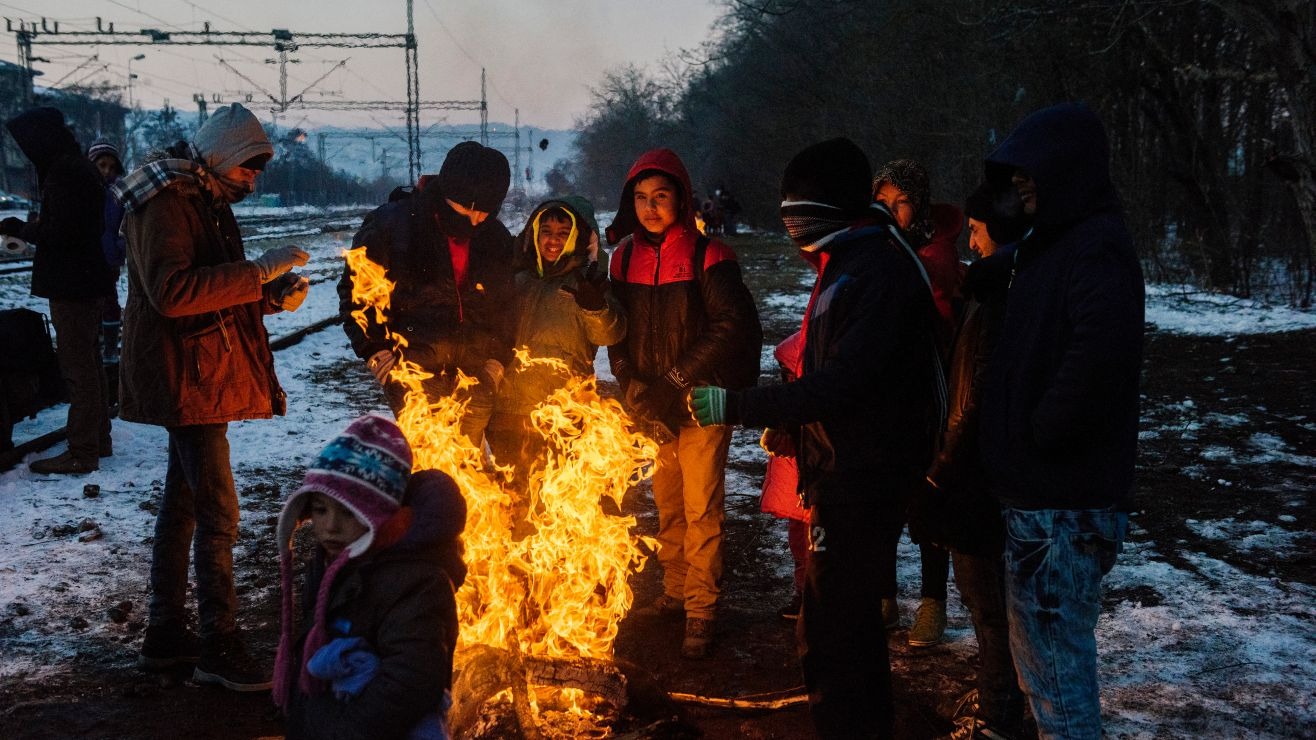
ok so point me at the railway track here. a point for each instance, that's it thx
(11, 458)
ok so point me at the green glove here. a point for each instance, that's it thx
(708, 404)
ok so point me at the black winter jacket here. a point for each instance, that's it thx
(866, 406)
(69, 263)
(446, 325)
(400, 601)
(1060, 404)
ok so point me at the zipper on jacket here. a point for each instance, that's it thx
(223, 331)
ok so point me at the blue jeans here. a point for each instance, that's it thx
(1054, 562)
(200, 509)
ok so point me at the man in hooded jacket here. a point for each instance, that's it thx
(1059, 423)
(860, 421)
(70, 271)
(195, 357)
(451, 261)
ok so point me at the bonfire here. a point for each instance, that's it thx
(539, 613)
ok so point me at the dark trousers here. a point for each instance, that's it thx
(981, 580)
(843, 646)
(77, 336)
(200, 509)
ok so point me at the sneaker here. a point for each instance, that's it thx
(166, 647)
(64, 464)
(972, 728)
(226, 662)
(698, 642)
(890, 613)
(662, 607)
(792, 609)
(929, 623)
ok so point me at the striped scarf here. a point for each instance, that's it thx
(811, 225)
(149, 180)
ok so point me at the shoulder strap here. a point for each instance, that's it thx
(627, 243)
(701, 253)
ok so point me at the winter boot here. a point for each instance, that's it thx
(166, 647)
(890, 613)
(698, 642)
(929, 623)
(226, 662)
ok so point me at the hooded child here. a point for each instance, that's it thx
(564, 310)
(690, 320)
(371, 655)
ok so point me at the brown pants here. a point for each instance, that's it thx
(689, 488)
(77, 339)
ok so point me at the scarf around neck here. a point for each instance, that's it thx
(152, 178)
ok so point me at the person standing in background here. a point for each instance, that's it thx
(69, 269)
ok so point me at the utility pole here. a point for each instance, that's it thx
(132, 77)
(484, 111)
(516, 150)
(201, 112)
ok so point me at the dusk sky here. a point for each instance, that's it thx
(542, 56)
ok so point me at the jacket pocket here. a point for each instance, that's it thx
(209, 352)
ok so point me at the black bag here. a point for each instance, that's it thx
(29, 371)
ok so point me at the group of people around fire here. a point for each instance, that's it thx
(993, 410)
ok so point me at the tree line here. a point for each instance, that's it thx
(1210, 106)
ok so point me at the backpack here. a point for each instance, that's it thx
(743, 369)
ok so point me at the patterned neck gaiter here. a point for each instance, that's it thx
(811, 224)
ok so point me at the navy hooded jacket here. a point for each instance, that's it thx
(1060, 404)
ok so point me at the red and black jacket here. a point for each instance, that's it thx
(692, 315)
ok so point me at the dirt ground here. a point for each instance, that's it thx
(1267, 378)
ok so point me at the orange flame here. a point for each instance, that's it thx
(562, 590)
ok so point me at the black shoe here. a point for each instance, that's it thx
(792, 610)
(166, 647)
(226, 662)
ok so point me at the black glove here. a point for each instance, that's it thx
(656, 401)
(590, 289)
(12, 226)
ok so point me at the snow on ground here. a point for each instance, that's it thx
(1193, 649)
(1183, 309)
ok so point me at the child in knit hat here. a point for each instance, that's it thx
(372, 654)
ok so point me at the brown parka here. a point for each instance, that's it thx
(195, 349)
